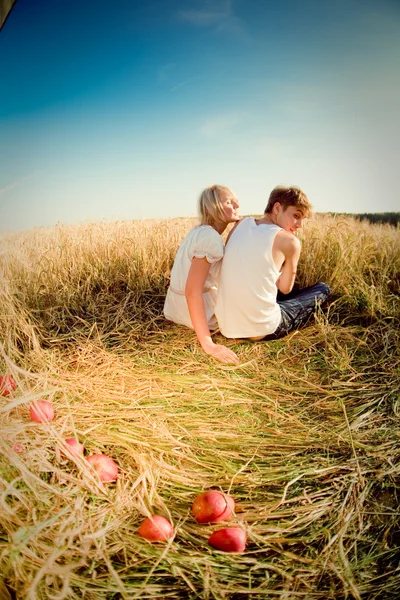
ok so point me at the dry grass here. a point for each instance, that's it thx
(304, 433)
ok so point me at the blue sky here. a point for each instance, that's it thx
(127, 110)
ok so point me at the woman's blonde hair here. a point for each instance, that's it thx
(210, 208)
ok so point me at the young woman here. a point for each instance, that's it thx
(193, 287)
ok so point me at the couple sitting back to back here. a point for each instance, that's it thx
(249, 294)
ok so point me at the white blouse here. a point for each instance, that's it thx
(201, 242)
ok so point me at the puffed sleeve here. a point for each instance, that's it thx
(208, 244)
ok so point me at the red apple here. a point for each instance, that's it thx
(74, 447)
(41, 411)
(7, 385)
(156, 529)
(104, 466)
(213, 506)
(230, 539)
(18, 448)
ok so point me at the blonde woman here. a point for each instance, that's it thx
(193, 287)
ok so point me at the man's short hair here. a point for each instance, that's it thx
(289, 196)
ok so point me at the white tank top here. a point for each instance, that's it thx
(246, 302)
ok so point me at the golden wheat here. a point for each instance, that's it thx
(303, 433)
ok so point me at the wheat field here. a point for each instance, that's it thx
(304, 433)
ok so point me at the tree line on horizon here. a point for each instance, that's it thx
(393, 218)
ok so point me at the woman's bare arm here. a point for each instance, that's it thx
(194, 296)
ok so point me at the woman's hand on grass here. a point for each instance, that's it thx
(221, 353)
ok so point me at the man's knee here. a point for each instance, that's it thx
(326, 288)
(323, 290)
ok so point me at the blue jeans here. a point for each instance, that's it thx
(297, 307)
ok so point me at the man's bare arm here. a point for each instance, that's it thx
(290, 247)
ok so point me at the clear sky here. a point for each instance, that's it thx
(127, 110)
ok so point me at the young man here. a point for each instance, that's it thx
(260, 261)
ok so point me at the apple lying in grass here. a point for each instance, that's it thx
(230, 539)
(75, 448)
(156, 529)
(19, 449)
(7, 385)
(104, 466)
(213, 506)
(41, 411)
